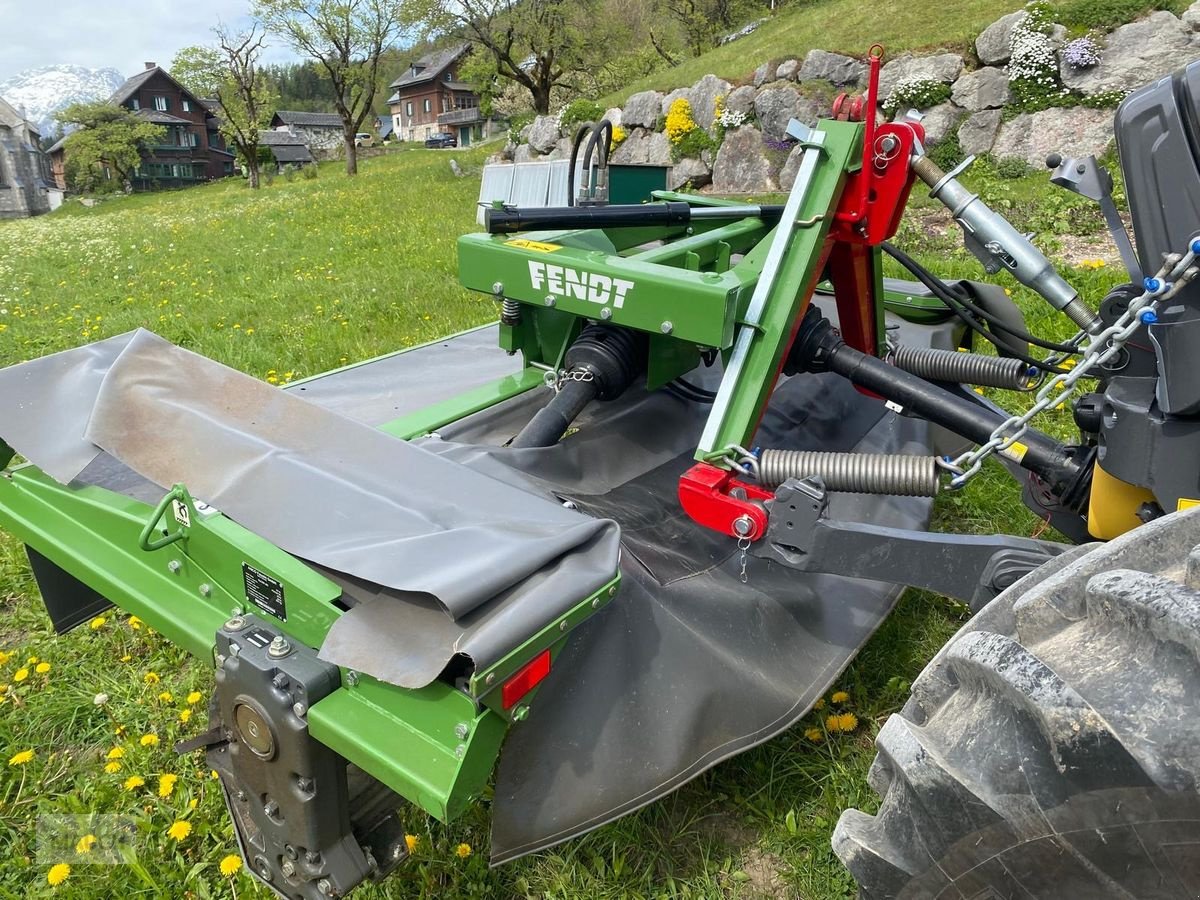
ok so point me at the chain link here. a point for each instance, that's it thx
(555, 380)
(1176, 272)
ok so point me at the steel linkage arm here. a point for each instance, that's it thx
(971, 568)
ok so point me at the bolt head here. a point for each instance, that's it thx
(300, 710)
(264, 870)
(666, 327)
(174, 566)
(288, 868)
(498, 288)
(279, 647)
(612, 591)
(352, 678)
(324, 886)
(520, 714)
(461, 730)
(596, 603)
(606, 314)
(743, 526)
(205, 590)
(550, 301)
(491, 678)
(562, 626)
(237, 623)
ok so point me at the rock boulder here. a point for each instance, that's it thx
(978, 132)
(843, 71)
(1134, 55)
(645, 148)
(703, 97)
(985, 88)
(543, 134)
(943, 67)
(641, 110)
(742, 165)
(1076, 131)
(994, 44)
(688, 172)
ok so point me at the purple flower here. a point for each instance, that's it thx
(1081, 53)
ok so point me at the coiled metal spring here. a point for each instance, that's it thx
(966, 368)
(510, 311)
(856, 473)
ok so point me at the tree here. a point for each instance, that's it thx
(198, 69)
(231, 74)
(539, 44)
(347, 39)
(106, 135)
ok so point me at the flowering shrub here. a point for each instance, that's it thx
(731, 118)
(1033, 67)
(679, 121)
(687, 138)
(618, 136)
(918, 93)
(1081, 53)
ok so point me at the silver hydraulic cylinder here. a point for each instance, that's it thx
(999, 245)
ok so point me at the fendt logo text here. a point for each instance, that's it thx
(562, 281)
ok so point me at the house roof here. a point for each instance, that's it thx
(280, 139)
(384, 127)
(308, 119)
(131, 85)
(429, 66)
(161, 118)
(291, 154)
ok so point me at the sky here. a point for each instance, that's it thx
(107, 33)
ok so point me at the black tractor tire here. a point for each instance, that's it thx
(1052, 747)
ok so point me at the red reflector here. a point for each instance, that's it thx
(527, 678)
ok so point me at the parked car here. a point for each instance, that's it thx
(438, 141)
(364, 139)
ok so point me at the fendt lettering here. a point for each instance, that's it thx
(563, 281)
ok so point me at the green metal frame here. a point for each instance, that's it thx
(179, 567)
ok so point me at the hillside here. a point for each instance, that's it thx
(842, 26)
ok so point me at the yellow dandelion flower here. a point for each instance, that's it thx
(847, 721)
(462, 851)
(21, 758)
(213, 774)
(135, 623)
(814, 734)
(148, 740)
(165, 697)
(820, 704)
(42, 668)
(112, 768)
(133, 782)
(3, 688)
(85, 844)
(193, 803)
(126, 658)
(115, 753)
(97, 623)
(21, 674)
(833, 723)
(166, 785)
(151, 678)
(411, 841)
(231, 864)
(4, 657)
(194, 697)
(839, 697)
(31, 660)
(180, 830)
(58, 874)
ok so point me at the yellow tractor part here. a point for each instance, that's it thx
(1113, 507)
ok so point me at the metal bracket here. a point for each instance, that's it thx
(1086, 177)
(145, 540)
(971, 568)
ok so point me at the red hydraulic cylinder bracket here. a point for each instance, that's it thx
(706, 494)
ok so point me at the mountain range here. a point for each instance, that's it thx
(43, 91)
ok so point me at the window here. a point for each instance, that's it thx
(134, 104)
(449, 75)
(160, 103)
(187, 105)
(408, 109)
(428, 105)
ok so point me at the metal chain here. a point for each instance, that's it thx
(555, 380)
(1177, 271)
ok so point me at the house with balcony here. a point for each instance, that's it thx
(192, 150)
(429, 99)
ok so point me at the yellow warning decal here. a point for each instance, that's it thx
(1185, 503)
(1015, 451)
(539, 246)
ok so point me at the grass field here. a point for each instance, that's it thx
(296, 279)
(839, 26)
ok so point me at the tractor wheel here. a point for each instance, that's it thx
(1052, 748)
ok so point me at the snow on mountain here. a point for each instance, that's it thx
(44, 91)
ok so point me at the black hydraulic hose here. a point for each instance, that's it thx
(1043, 455)
(599, 143)
(510, 221)
(579, 136)
(552, 420)
(943, 293)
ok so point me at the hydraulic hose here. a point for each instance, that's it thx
(580, 135)
(552, 420)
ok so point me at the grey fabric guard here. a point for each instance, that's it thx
(319, 485)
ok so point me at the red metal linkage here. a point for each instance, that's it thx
(706, 495)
